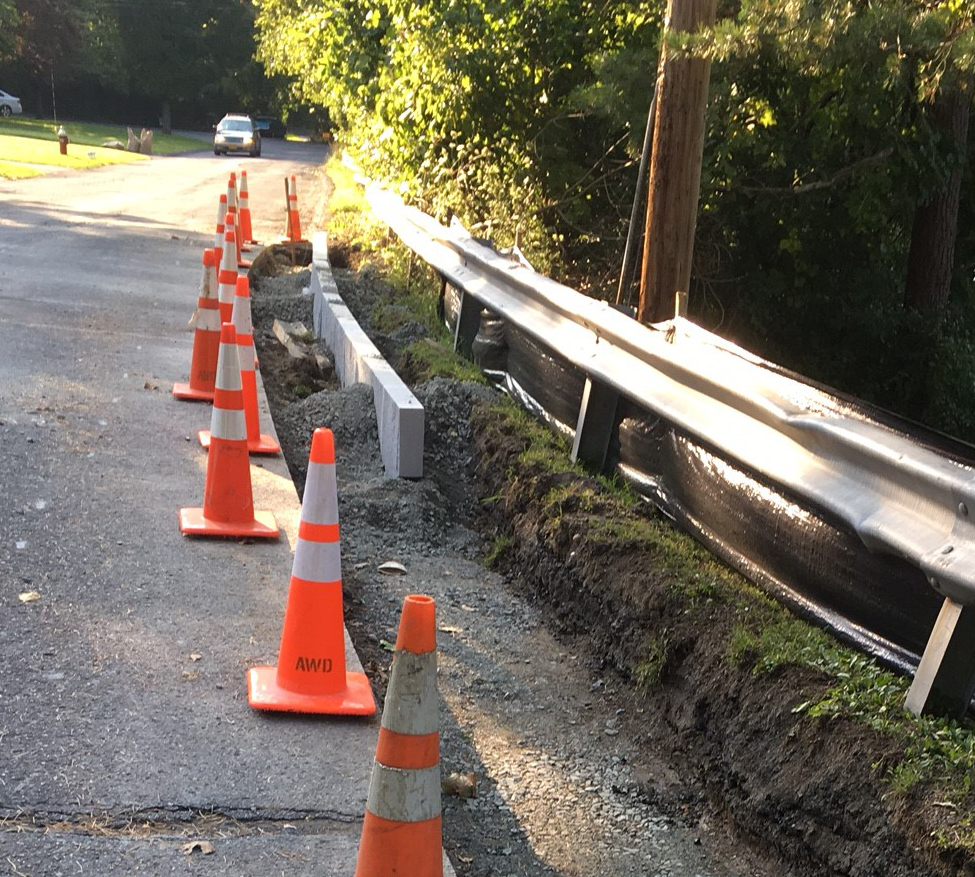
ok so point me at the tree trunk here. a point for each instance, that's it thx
(166, 120)
(932, 254)
(675, 170)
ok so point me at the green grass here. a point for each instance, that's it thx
(426, 359)
(652, 669)
(501, 545)
(415, 287)
(92, 134)
(348, 195)
(10, 171)
(936, 751)
(47, 153)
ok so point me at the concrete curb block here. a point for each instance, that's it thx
(357, 361)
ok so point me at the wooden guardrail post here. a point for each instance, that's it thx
(945, 679)
(594, 428)
(468, 323)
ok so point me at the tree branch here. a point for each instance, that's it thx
(817, 186)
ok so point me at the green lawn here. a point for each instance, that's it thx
(31, 151)
(91, 134)
(10, 171)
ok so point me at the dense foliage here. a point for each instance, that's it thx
(481, 107)
(822, 142)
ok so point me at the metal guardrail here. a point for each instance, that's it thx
(897, 496)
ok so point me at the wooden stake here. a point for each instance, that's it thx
(287, 210)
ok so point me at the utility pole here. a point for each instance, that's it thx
(675, 169)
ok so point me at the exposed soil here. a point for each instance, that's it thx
(578, 769)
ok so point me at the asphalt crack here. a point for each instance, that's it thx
(181, 821)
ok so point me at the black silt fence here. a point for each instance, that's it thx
(798, 553)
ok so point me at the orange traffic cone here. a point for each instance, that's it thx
(228, 271)
(310, 676)
(206, 340)
(218, 237)
(257, 442)
(294, 220)
(244, 211)
(228, 503)
(401, 832)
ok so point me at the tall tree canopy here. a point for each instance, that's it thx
(180, 52)
(9, 23)
(63, 37)
(194, 57)
(482, 107)
(828, 140)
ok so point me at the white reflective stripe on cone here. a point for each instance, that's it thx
(228, 258)
(241, 316)
(208, 319)
(414, 708)
(321, 504)
(245, 353)
(404, 795)
(317, 562)
(228, 370)
(228, 425)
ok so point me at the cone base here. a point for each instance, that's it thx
(193, 523)
(391, 849)
(264, 445)
(189, 394)
(264, 693)
(244, 263)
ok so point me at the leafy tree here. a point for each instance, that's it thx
(178, 53)
(481, 107)
(61, 39)
(9, 23)
(826, 135)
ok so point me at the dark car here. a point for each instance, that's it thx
(270, 126)
(236, 133)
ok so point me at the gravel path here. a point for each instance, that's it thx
(566, 780)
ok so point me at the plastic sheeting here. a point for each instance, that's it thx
(815, 565)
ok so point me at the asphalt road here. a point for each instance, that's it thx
(125, 733)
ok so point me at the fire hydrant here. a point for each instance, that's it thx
(63, 140)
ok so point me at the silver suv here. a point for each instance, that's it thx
(236, 133)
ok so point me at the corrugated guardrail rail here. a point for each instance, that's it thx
(899, 496)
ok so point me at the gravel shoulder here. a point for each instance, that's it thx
(550, 741)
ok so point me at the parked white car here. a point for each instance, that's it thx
(9, 105)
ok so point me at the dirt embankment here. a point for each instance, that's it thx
(813, 792)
